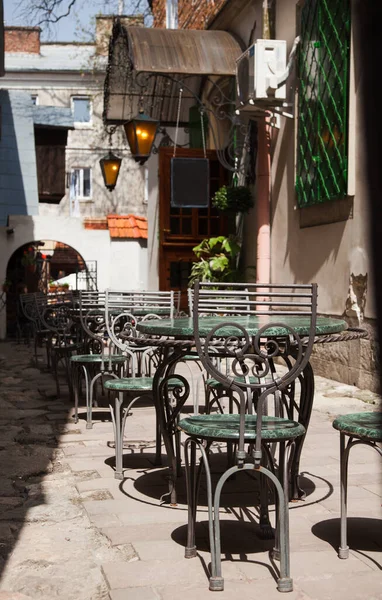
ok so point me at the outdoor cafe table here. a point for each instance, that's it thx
(175, 338)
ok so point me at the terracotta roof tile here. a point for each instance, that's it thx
(95, 223)
(127, 226)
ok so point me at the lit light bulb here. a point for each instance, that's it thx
(139, 132)
(114, 167)
(144, 135)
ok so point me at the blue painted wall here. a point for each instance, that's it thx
(18, 174)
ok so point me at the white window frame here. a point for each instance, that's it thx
(80, 196)
(82, 124)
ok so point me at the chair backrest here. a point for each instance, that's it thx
(272, 321)
(122, 311)
(91, 313)
(55, 313)
(211, 302)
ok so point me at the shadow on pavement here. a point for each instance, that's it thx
(364, 535)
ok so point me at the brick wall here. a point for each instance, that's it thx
(192, 14)
(22, 39)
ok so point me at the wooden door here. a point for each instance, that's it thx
(180, 229)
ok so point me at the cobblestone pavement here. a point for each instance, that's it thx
(69, 530)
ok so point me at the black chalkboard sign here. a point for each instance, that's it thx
(190, 182)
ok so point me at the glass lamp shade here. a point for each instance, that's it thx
(140, 133)
(110, 166)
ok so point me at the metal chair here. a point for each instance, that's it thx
(41, 335)
(56, 313)
(361, 428)
(273, 316)
(101, 359)
(122, 309)
(215, 391)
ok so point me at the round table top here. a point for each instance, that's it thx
(182, 327)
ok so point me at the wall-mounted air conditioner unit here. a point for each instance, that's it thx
(261, 73)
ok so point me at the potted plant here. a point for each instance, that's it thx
(217, 260)
(6, 285)
(65, 287)
(28, 259)
(234, 199)
(53, 287)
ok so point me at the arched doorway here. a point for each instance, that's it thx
(40, 266)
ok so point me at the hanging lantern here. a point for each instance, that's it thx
(110, 166)
(140, 133)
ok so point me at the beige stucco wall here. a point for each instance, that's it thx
(327, 254)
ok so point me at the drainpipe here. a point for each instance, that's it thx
(263, 206)
(171, 14)
(263, 260)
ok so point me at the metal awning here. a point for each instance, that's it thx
(148, 67)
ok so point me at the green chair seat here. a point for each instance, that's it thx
(97, 358)
(213, 383)
(135, 384)
(226, 427)
(367, 425)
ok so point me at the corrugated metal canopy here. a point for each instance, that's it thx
(183, 51)
(148, 66)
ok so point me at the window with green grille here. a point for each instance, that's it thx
(324, 56)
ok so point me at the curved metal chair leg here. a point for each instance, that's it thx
(119, 428)
(76, 383)
(284, 582)
(266, 529)
(116, 418)
(192, 496)
(283, 478)
(343, 551)
(190, 550)
(55, 373)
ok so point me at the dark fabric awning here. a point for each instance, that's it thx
(149, 66)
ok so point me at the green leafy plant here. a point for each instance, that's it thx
(6, 285)
(233, 199)
(217, 260)
(65, 286)
(28, 257)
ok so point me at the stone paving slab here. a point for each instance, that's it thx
(70, 530)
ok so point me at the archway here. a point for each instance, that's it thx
(40, 266)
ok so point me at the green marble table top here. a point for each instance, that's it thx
(183, 327)
(98, 358)
(367, 425)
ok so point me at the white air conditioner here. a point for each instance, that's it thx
(260, 74)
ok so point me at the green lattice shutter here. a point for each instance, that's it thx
(323, 101)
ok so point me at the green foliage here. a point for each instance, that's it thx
(217, 260)
(28, 257)
(233, 199)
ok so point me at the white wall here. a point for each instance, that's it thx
(128, 265)
(120, 264)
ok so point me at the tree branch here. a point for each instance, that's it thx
(50, 12)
